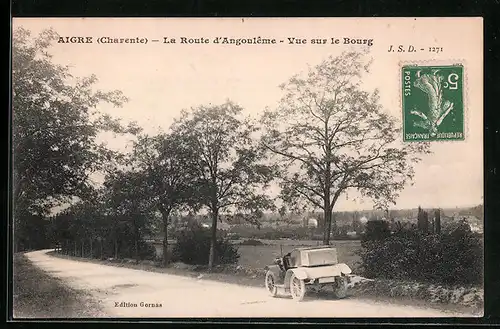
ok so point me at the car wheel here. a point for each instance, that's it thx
(340, 287)
(297, 288)
(271, 284)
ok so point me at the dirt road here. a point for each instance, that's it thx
(124, 292)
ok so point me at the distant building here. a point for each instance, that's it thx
(312, 222)
(204, 221)
(474, 223)
(451, 223)
(221, 225)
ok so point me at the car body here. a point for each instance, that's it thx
(307, 269)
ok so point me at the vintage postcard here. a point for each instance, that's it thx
(247, 167)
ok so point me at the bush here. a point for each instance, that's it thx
(376, 230)
(193, 247)
(147, 251)
(251, 242)
(448, 258)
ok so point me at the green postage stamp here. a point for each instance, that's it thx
(433, 103)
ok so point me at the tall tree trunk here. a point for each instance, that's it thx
(137, 250)
(74, 254)
(102, 251)
(325, 227)
(136, 241)
(165, 258)
(327, 185)
(328, 226)
(213, 238)
(165, 214)
(83, 253)
(328, 219)
(115, 238)
(91, 250)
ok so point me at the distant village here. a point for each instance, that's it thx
(348, 224)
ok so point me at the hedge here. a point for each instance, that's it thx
(193, 247)
(448, 258)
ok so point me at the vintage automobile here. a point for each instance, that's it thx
(306, 269)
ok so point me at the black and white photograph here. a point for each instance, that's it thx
(247, 167)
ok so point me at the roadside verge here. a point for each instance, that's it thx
(39, 295)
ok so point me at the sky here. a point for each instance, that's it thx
(161, 79)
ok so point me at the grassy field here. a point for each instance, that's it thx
(260, 256)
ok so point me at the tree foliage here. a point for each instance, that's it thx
(330, 135)
(232, 174)
(169, 179)
(55, 121)
(129, 206)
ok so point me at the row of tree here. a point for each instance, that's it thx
(327, 136)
